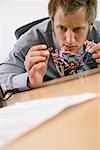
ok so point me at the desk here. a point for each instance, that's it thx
(76, 128)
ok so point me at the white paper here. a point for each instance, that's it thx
(17, 119)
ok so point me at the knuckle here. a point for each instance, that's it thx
(41, 53)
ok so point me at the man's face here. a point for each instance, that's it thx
(71, 30)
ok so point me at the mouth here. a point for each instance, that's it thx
(70, 47)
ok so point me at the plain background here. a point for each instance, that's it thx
(15, 13)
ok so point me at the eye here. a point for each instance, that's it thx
(62, 28)
(78, 29)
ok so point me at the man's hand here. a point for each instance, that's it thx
(36, 64)
(96, 52)
(94, 49)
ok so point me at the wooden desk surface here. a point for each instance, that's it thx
(77, 128)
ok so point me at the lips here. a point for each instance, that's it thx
(70, 47)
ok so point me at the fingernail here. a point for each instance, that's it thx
(44, 46)
(50, 49)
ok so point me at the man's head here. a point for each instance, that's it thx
(72, 20)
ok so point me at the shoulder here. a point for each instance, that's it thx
(34, 36)
(97, 26)
(94, 34)
(43, 26)
(33, 32)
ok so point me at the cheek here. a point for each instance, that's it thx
(60, 37)
(82, 37)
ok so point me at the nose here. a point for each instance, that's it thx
(70, 37)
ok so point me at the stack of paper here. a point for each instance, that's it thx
(19, 118)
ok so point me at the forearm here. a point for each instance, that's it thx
(12, 82)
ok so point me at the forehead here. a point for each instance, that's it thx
(75, 18)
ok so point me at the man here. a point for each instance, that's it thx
(30, 63)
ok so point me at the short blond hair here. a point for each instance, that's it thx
(71, 6)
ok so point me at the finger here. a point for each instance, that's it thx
(89, 45)
(32, 61)
(38, 47)
(40, 68)
(98, 60)
(89, 48)
(35, 51)
(96, 55)
(37, 73)
(95, 48)
(44, 53)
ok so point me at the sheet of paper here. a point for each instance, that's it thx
(17, 119)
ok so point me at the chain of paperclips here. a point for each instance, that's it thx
(68, 62)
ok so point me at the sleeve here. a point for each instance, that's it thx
(13, 74)
(97, 25)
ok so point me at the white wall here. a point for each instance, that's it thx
(15, 13)
(98, 9)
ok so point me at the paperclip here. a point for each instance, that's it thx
(72, 62)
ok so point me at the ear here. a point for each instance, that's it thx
(91, 25)
(52, 24)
